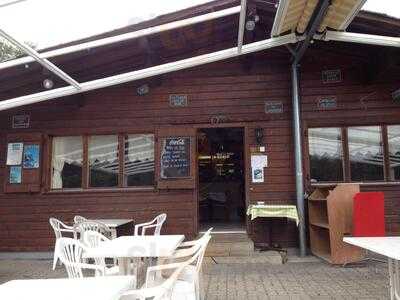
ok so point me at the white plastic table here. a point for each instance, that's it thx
(127, 247)
(113, 224)
(99, 288)
(387, 246)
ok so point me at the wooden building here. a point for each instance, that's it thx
(100, 151)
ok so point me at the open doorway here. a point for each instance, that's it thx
(221, 179)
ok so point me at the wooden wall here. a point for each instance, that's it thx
(235, 90)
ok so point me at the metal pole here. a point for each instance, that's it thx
(242, 21)
(298, 157)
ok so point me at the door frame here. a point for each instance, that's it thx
(244, 126)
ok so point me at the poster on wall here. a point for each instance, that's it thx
(14, 153)
(258, 163)
(15, 175)
(20, 121)
(31, 157)
(175, 158)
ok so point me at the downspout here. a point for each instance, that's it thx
(313, 25)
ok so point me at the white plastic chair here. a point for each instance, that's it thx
(163, 291)
(70, 251)
(156, 223)
(59, 228)
(89, 225)
(93, 239)
(79, 219)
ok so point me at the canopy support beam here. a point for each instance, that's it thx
(242, 24)
(44, 62)
(125, 36)
(359, 38)
(149, 72)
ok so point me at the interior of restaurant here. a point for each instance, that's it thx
(221, 179)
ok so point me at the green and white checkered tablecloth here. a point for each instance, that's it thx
(273, 211)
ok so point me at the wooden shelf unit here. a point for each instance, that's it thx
(330, 210)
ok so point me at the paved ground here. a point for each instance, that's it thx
(258, 277)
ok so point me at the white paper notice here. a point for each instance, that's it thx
(14, 154)
(258, 163)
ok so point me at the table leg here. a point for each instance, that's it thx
(391, 279)
(271, 246)
(114, 236)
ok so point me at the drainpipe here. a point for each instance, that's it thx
(313, 25)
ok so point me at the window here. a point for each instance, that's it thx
(67, 162)
(97, 158)
(366, 153)
(139, 160)
(325, 150)
(103, 161)
(394, 151)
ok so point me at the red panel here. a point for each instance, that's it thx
(369, 214)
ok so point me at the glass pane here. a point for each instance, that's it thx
(394, 151)
(103, 161)
(366, 153)
(67, 160)
(326, 155)
(139, 160)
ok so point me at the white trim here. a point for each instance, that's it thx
(279, 17)
(352, 14)
(149, 72)
(44, 62)
(360, 38)
(242, 22)
(11, 3)
(124, 37)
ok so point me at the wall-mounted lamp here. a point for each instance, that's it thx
(143, 89)
(251, 23)
(259, 134)
(48, 84)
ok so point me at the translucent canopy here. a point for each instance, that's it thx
(46, 23)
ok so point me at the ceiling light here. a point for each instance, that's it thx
(48, 84)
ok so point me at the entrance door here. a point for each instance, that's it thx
(221, 179)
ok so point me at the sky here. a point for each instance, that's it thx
(51, 22)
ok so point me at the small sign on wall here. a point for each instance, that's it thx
(175, 157)
(178, 100)
(332, 76)
(273, 107)
(20, 121)
(327, 103)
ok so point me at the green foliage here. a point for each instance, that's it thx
(8, 51)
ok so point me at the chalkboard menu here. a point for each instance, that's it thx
(175, 157)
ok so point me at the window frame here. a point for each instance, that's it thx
(85, 163)
(346, 154)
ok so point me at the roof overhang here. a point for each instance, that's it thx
(295, 15)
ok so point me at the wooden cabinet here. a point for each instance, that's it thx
(330, 210)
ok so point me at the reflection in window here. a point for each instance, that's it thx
(326, 155)
(366, 153)
(103, 161)
(139, 160)
(394, 151)
(67, 162)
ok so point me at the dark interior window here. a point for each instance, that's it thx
(394, 151)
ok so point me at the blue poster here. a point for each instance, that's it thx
(15, 174)
(31, 157)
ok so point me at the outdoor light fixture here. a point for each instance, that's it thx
(259, 133)
(251, 24)
(48, 84)
(143, 90)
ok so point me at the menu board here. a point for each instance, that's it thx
(175, 157)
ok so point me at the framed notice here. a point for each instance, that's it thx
(31, 157)
(332, 76)
(178, 100)
(15, 175)
(14, 153)
(273, 107)
(175, 157)
(20, 121)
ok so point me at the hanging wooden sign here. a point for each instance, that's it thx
(273, 107)
(332, 76)
(178, 100)
(20, 121)
(175, 157)
(327, 103)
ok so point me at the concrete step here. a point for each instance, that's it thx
(225, 244)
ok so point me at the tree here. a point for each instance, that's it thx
(9, 51)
